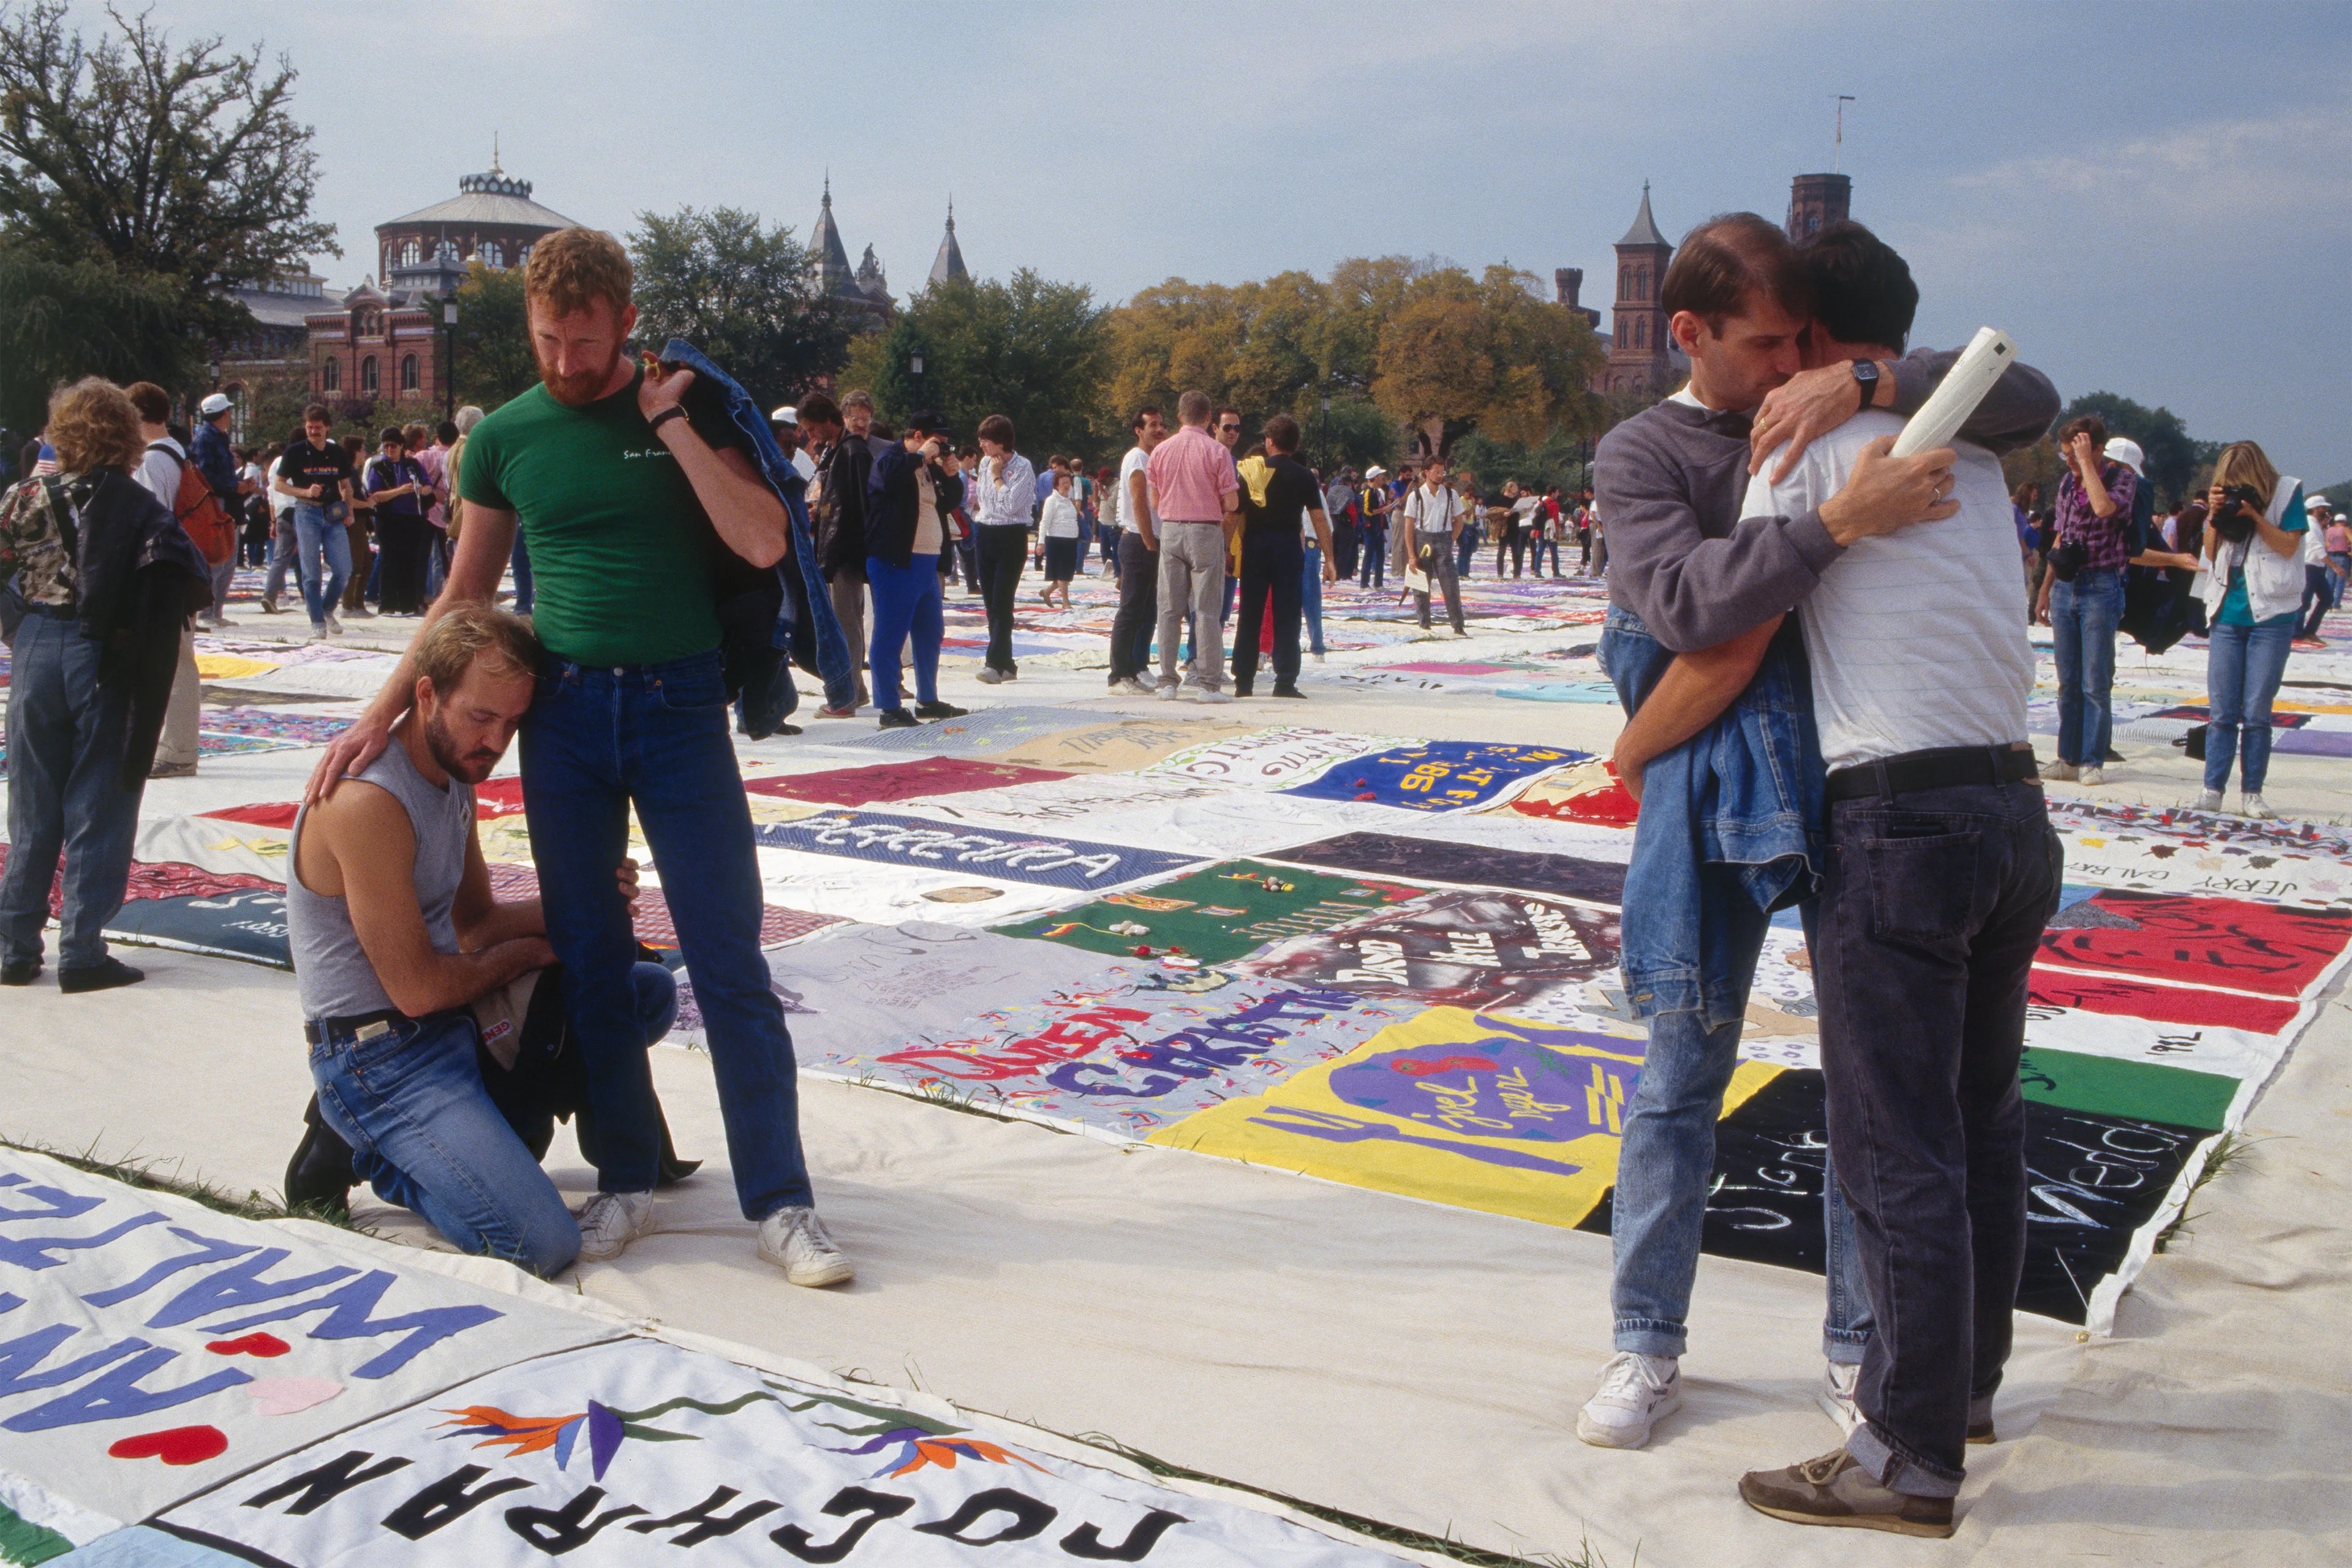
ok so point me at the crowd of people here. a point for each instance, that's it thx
(997, 516)
(1790, 741)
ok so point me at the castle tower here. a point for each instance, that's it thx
(948, 266)
(1637, 349)
(1816, 201)
(832, 274)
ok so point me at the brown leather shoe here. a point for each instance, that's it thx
(1836, 1489)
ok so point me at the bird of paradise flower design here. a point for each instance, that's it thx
(910, 1448)
(912, 1442)
(605, 1427)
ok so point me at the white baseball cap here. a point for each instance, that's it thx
(215, 405)
(2126, 452)
(787, 415)
(1374, 472)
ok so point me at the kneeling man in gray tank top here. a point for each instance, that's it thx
(397, 939)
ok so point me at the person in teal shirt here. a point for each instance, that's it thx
(2253, 585)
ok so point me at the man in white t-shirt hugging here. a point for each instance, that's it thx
(1943, 870)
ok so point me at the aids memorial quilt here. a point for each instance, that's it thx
(150, 1347)
(638, 1451)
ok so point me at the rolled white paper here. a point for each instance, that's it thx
(1948, 407)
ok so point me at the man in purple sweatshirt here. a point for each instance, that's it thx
(1691, 577)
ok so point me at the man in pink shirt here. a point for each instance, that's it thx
(1196, 498)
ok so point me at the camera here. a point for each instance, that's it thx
(2231, 522)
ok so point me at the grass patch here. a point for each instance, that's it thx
(146, 1176)
(2228, 1149)
(1371, 1529)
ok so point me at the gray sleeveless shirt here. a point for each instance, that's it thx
(334, 974)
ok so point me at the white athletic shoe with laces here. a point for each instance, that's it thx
(796, 1241)
(1835, 1396)
(1635, 1391)
(335, 623)
(2254, 805)
(2061, 772)
(2094, 775)
(610, 1221)
(2210, 800)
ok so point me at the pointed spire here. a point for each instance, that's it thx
(495, 167)
(1645, 227)
(948, 266)
(832, 275)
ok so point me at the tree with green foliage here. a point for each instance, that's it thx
(1388, 340)
(2172, 456)
(1034, 351)
(178, 170)
(743, 295)
(1489, 355)
(61, 321)
(494, 358)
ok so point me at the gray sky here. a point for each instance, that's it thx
(2152, 198)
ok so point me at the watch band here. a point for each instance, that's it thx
(1865, 375)
(674, 411)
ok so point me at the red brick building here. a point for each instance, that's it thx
(380, 354)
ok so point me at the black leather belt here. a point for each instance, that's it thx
(318, 1029)
(1948, 767)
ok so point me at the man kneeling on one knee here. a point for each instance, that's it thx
(397, 937)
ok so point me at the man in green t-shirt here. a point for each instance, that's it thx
(626, 502)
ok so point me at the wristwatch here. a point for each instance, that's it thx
(1865, 375)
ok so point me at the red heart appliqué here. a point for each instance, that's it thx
(263, 1345)
(180, 1446)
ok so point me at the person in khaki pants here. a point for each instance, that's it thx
(1196, 496)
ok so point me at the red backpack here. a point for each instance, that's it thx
(200, 512)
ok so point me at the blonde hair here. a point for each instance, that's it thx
(93, 425)
(448, 648)
(573, 268)
(2244, 464)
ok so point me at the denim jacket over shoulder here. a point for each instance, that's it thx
(1744, 794)
(804, 625)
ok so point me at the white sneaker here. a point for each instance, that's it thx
(2061, 773)
(220, 621)
(795, 1239)
(2094, 776)
(335, 622)
(610, 1221)
(1835, 1396)
(1635, 1390)
(1130, 687)
(1319, 659)
(1209, 694)
(2252, 806)
(1169, 693)
(2209, 800)
(318, 632)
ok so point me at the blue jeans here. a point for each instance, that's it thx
(1466, 549)
(1372, 558)
(520, 561)
(1310, 596)
(1536, 556)
(1666, 1167)
(65, 793)
(2241, 677)
(595, 743)
(2082, 616)
(426, 1135)
(321, 550)
(1930, 920)
(907, 600)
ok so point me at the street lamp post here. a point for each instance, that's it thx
(449, 375)
(915, 369)
(1324, 444)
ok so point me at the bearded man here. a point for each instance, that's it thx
(627, 490)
